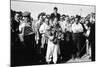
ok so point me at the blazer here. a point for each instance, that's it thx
(55, 16)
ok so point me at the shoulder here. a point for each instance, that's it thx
(52, 13)
(58, 13)
(81, 24)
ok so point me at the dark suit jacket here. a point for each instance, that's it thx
(55, 16)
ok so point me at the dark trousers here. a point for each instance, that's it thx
(30, 53)
(92, 44)
(41, 52)
(16, 50)
(76, 44)
(66, 46)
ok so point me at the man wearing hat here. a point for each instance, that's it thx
(77, 30)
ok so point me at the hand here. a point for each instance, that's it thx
(21, 38)
(42, 46)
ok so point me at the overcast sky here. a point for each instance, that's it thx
(36, 7)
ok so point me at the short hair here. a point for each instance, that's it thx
(79, 17)
(55, 8)
(41, 14)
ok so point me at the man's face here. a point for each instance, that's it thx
(67, 18)
(40, 18)
(83, 20)
(92, 20)
(25, 19)
(86, 22)
(16, 16)
(76, 20)
(55, 10)
(46, 20)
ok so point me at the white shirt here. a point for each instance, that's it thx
(68, 27)
(43, 28)
(63, 25)
(76, 28)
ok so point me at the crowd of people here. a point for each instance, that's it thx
(52, 38)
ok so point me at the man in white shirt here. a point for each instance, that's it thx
(77, 30)
(77, 27)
